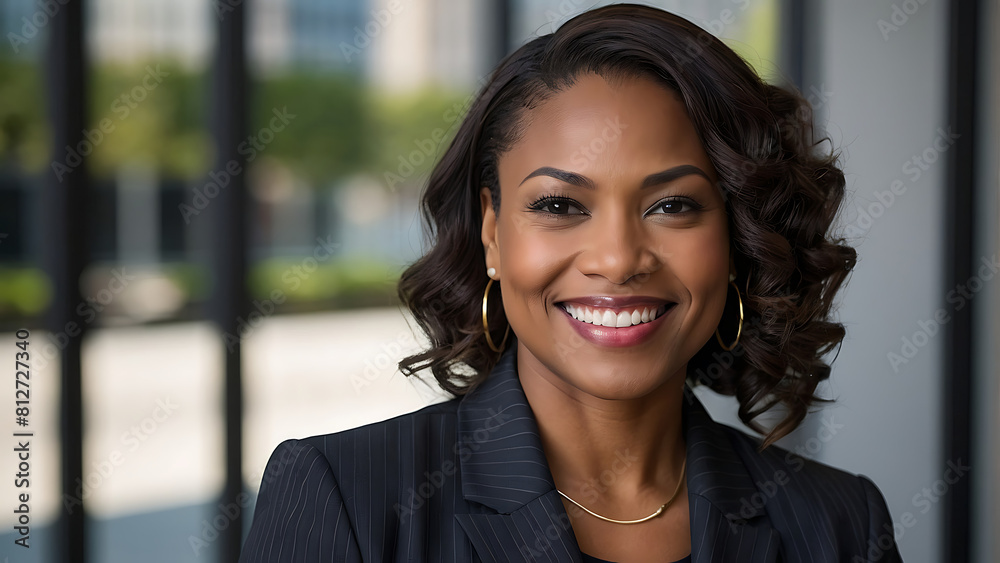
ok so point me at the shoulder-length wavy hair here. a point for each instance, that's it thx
(781, 193)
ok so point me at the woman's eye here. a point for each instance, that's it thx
(674, 206)
(555, 206)
(558, 207)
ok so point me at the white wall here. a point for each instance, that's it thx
(888, 107)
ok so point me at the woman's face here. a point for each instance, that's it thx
(610, 210)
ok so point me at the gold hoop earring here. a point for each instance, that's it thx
(486, 325)
(739, 330)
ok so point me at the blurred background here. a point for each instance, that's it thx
(205, 206)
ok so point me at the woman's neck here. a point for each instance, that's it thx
(611, 454)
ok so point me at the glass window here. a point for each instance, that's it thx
(25, 291)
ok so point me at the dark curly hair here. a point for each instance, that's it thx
(782, 195)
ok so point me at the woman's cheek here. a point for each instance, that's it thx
(522, 261)
(698, 257)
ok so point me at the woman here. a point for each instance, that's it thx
(643, 212)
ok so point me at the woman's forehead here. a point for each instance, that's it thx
(597, 125)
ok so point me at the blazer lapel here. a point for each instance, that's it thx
(538, 531)
(727, 522)
(517, 515)
(504, 469)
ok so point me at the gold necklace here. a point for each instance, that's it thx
(651, 516)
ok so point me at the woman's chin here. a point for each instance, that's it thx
(618, 384)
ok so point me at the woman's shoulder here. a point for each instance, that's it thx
(441, 412)
(375, 440)
(784, 477)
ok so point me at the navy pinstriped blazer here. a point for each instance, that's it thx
(467, 480)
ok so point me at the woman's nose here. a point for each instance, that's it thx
(619, 249)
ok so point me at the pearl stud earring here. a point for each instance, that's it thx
(491, 272)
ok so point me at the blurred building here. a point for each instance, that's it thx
(124, 31)
(135, 207)
(886, 94)
(442, 39)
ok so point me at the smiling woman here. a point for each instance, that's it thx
(632, 189)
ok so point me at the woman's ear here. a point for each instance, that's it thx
(489, 233)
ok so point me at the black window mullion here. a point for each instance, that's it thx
(228, 264)
(959, 263)
(65, 252)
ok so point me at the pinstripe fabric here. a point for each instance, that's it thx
(467, 480)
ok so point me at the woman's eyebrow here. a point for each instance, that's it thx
(654, 179)
(672, 174)
(562, 175)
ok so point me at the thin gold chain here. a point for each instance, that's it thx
(659, 511)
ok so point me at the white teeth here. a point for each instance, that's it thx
(624, 319)
(609, 319)
(596, 320)
(605, 317)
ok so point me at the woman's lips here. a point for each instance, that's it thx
(622, 329)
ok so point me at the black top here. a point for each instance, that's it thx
(592, 559)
